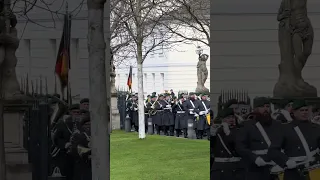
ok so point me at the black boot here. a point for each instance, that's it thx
(185, 133)
(178, 132)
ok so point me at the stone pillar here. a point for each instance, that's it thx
(114, 112)
(18, 167)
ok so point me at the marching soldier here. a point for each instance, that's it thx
(167, 116)
(191, 106)
(82, 151)
(181, 118)
(297, 144)
(147, 108)
(227, 164)
(133, 112)
(284, 115)
(62, 136)
(201, 123)
(84, 104)
(254, 139)
(206, 105)
(156, 116)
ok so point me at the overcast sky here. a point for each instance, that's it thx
(254, 6)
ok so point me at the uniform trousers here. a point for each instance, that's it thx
(228, 174)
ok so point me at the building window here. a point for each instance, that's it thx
(145, 82)
(133, 82)
(162, 82)
(118, 81)
(154, 82)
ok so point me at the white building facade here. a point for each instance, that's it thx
(173, 69)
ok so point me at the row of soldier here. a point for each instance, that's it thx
(265, 144)
(170, 114)
(70, 147)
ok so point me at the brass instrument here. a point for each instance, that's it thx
(84, 150)
(75, 131)
(153, 111)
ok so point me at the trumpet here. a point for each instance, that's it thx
(82, 150)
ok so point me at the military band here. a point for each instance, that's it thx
(265, 144)
(170, 114)
(70, 148)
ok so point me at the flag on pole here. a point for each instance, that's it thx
(129, 82)
(63, 58)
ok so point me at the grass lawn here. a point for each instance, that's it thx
(158, 158)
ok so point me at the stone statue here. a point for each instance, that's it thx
(9, 43)
(202, 73)
(112, 74)
(295, 36)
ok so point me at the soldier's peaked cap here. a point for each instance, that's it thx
(226, 112)
(260, 101)
(297, 104)
(230, 102)
(84, 100)
(84, 120)
(74, 107)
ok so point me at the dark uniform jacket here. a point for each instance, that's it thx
(289, 141)
(250, 143)
(219, 151)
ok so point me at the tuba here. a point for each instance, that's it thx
(84, 150)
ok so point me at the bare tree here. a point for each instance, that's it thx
(99, 99)
(189, 20)
(143, 27)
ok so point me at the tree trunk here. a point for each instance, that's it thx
(99, 109)
(2, 147)
(142, 133)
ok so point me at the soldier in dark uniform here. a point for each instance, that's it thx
(167, 116)
(133, 112)
(181, 118)
(147, 108)
(201, 123)
(160, 110)
(227, 164)
(284, 114)
(84, 104)
(254, 139)
(156, 117)
(62, 136)
(205, 102)
(297, 144)
(82, 151)
(191, 106)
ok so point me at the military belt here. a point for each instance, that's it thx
(303, 158)
(260, 152)
(232, 159)
(180, 112)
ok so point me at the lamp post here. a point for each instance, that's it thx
(199, 50)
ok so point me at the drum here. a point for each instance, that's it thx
(208, 118)
(314, 172)
(277, 170)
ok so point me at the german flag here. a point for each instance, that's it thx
(129, 82)
(63, 58)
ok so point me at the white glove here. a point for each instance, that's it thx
(67, 145)
(226, 129)
(260, 162)
(136, 109)
(213, 130)
(206, 112)
(152, 107)
(196, 115)
(168, 106)
(202, 113)
(291, 164)
(191, 112)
